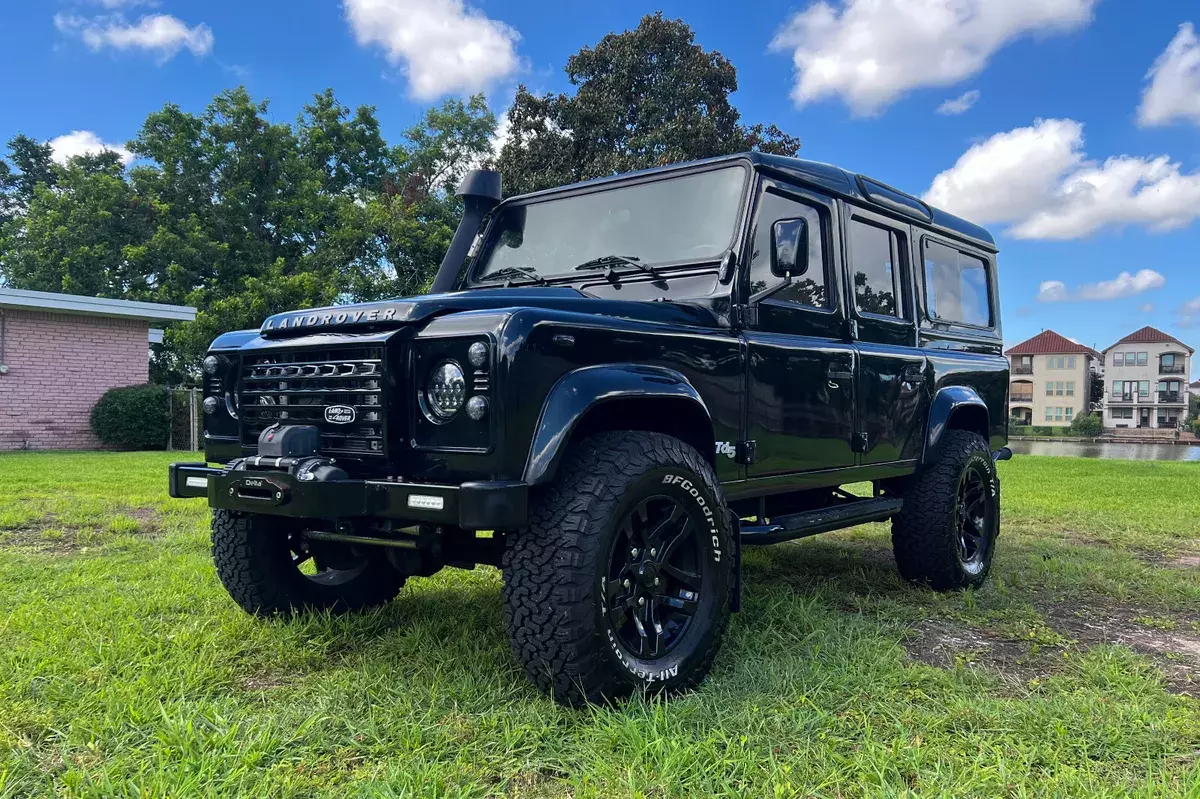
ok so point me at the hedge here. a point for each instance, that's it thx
(133, 417)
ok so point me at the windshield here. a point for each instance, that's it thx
(672, 220)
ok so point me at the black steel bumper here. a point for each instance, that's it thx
(472, 506)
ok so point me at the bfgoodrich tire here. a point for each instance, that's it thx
(622, 581)
(945, 534)
(269, 567)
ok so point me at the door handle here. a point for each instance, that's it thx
(835, 374)
(912, 373)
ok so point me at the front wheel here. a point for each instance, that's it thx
(269, 566)
(945, 533)
(622, 582)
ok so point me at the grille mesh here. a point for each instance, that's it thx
(297, 386)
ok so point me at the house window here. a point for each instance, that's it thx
(1121, 413)
(1143, 358)
(875, 261)
(1058, 414)
(1070, 361)
(1070, 414)
(1049, 414)
(1049, 362)
(956, 286)
(1058, 388)
(1144, 388)
(1118, 359)
(1070, 388)
(1050, 389)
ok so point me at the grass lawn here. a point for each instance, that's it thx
(125, 670)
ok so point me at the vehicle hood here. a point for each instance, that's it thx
(393, 314)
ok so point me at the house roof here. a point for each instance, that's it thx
(94, 306)
(1194, 384)
(1150, 335)
(1050, 343)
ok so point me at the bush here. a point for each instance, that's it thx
(133, 417)
(1043, 431)
(1088, 425)
(1196, 427)
(1019, 430)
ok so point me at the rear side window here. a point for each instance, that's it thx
(956, 286)
(875, 269)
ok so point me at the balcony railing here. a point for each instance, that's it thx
(1170, 397)
(1170, 369)
(1021, 398)
(1118, 396)
(1022, 370)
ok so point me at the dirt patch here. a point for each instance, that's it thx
(267, 681)
(50, 535)
(1172, 642)
(948, 645)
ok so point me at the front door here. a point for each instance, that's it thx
(1143, 417)
(800, 412)
(891, 370)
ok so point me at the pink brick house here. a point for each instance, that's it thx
(60, 352)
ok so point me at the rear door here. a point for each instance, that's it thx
(800, 411)
(891, 369)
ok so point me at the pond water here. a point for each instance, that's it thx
(1127, 452)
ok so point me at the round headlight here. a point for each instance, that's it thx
(477, 354)
(210, 405)
(211, 364)
(446, 390)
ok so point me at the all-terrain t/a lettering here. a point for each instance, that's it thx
(628, 381)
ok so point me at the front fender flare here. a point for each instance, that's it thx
(948, 401)
(581, 390)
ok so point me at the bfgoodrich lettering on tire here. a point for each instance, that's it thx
(945, 534)
(623, 579)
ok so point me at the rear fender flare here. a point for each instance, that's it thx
(948, 401)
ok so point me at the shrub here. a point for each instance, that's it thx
(1043, 431)
(1019, 430)
(1087, 424)
(1196, 427)
(133, 417)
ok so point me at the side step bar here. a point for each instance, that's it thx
(811, 522)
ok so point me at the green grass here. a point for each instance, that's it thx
(125, 671)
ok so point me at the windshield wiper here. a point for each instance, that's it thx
(510, 272)
(609, 261)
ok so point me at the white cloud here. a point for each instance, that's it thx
(159, 33)
(81, 142)
(1146, 307)
(1123, 285)
(960, 104)
(444, 46)
(1174, 82)
(1189, 312)
(124, 3)
(1040, 182)
(870, 52)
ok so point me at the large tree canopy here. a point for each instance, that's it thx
(239, 215)
(645, 97)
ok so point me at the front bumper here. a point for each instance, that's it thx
(493, 505)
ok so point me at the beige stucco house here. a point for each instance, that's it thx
(1146, 380)
(1049, 379)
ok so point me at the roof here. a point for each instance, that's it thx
(1150, 335)
(94, 306)
(1050, 343)
(830, 178)
(1194, 384)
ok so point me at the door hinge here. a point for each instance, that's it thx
(744, 315)
(747, 452)
(859, 442)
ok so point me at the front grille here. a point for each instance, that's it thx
(298, 386)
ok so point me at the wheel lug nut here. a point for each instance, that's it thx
(653, 552)
(633, 552)
(641, 601)
(656, 581)
(626, 583)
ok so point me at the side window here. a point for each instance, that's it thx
(875, 270)
(956, 286)
(809, 288)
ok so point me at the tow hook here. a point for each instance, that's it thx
(1002, 454)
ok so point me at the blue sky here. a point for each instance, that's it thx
(1084, 162)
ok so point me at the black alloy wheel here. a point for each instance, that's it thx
(655, 576)
(973, 517)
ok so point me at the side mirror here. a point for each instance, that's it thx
(789, 248)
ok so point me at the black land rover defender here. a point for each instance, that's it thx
(630, 380)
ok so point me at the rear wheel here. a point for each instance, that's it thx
(622, 581)
(945, 534)
(269, 566)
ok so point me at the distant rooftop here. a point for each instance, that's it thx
(94, 306)
(1150, 335)
(1050, 343)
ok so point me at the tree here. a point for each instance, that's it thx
(1095, 391)
(645, 97)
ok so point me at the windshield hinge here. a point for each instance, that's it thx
(746, 452)
(743, 315)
